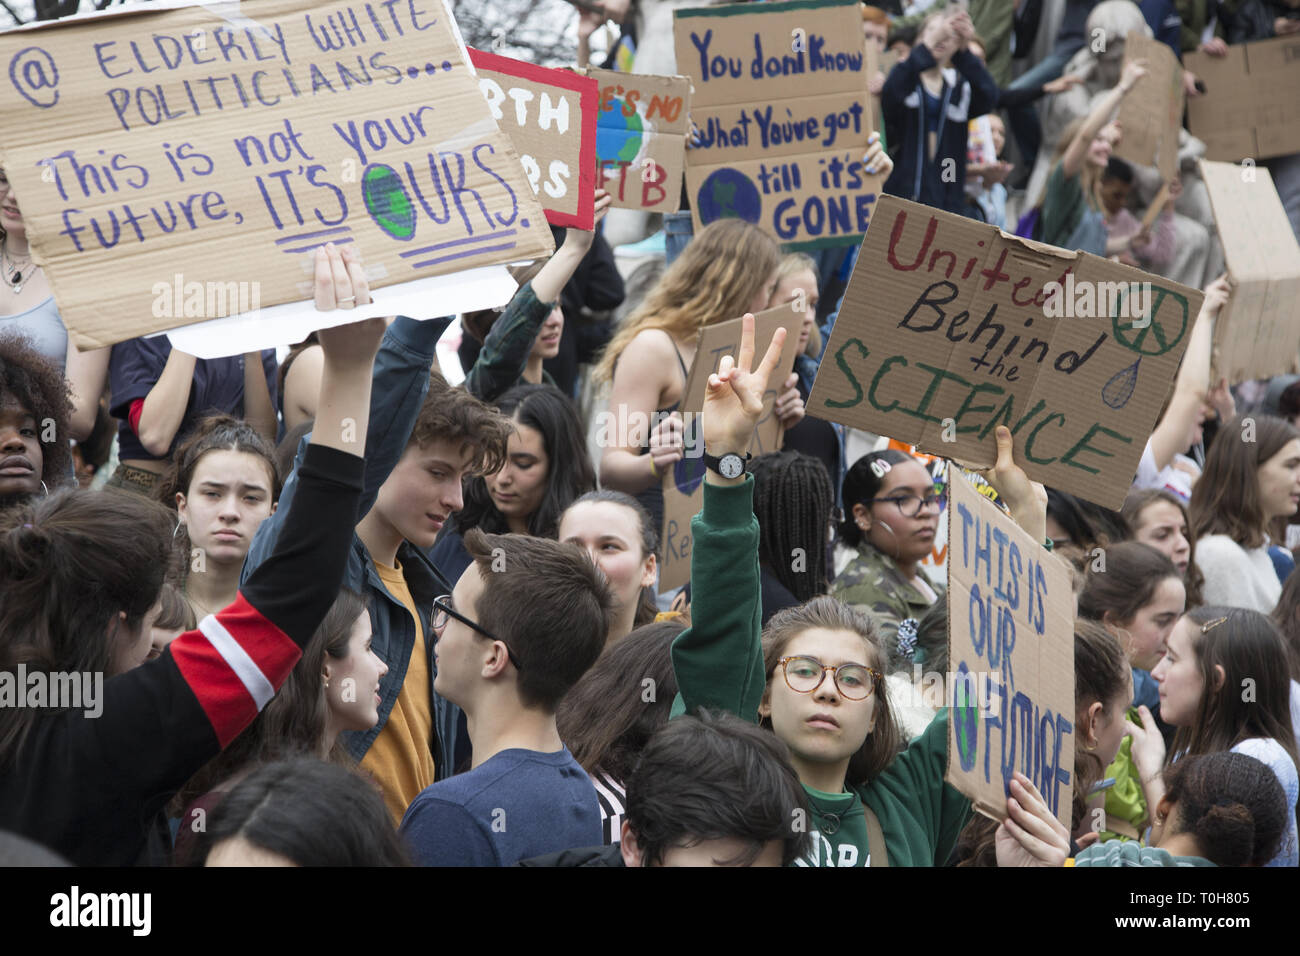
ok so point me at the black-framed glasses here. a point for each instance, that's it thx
(442, 610)
(911, 506)
(803, 675)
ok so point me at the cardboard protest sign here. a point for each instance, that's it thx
(1152, 113)
(951, 327)
(1010, 659)
(1249, 109)
(641, 127)
(183, 146)
(550, 116)
(1256, 335)
(783, 112)
(1157, 206)
(683, 498)
(683, 492)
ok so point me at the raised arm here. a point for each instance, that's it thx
(1192, 386)
(1077, 151)
(505, 350)
(184, 707)
(719, 659)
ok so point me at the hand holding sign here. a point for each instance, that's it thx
(1026, 500)
(733, 399)
(1030, 835)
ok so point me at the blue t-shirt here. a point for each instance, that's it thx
(516, 805)
(134, 368)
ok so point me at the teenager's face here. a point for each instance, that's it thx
(716, 852)
(999, 132)
(460, 651)
(424, 490)
(1161, 525)
(159, 638)
(353, 691)
(547, 343)
(1114, 195)
(236, 851)
(1102, 145)
(519, 487)
(11, 217)
(889, 530)
(876, 33)
(764, 294)
(131, 648)
(1279, 482)
(823, 726)
(611, 533)
(1145, 636)
(1179, 675)
(228, 499)
(801, 285)
(21, 458)
(1111, 729)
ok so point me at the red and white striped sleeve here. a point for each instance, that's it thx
(234, 662)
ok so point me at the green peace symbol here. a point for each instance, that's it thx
(1135, 338)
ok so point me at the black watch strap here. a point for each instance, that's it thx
(715, 463)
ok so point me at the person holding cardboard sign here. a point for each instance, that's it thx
(1072, 206)
(93, 789)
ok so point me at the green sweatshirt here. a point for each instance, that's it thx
(719, 665)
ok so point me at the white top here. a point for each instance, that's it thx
(1270, 752)
(1236, 577)
(1169, 478)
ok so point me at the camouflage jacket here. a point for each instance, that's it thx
(871, 582)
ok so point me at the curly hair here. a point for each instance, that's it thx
(29, 379)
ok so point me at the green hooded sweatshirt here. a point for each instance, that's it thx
(719, 665)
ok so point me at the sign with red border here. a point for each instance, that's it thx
(541, 110)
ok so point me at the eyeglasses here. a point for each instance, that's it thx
(442, 610)
(803, 675)
(911, 506)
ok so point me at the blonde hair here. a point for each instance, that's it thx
(713, 280)
(1089, 173)
(793, 264)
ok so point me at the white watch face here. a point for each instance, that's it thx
(731, 466)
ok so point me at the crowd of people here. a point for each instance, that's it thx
(344, 612)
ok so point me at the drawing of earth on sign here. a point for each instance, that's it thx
(620, 138)
(728, 194)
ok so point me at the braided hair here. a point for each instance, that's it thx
(793, 501)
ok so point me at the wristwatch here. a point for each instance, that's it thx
(729, 465)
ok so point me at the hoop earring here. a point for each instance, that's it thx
(177, 529)
(45, 491)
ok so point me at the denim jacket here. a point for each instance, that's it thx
(401, 381)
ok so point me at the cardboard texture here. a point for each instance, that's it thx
(683, 499)
(147, 145)
(946, 331)
(1152, 113)
(683, 492)
(641, 129)
(1257, 334)
(1010, 660)
(781, 104)
(1250, 109)
(550, 116)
